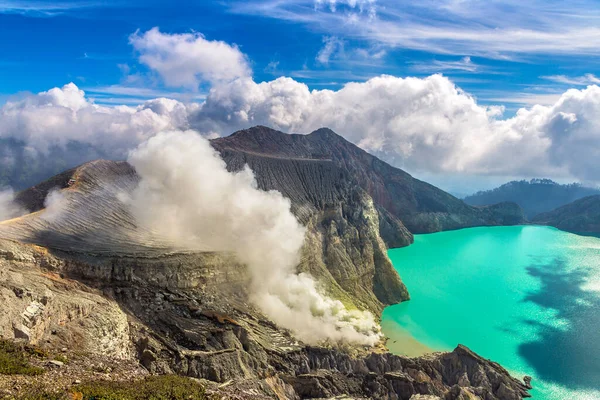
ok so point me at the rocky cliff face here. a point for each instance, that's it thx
(580, 216)
(344, 248)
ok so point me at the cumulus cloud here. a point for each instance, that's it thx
(188, 59)
(8, 207)
(61, 115)
(186, 194)
(45, 133)
(421, 124)
(426, 124)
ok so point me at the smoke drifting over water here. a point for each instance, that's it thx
(187, 195)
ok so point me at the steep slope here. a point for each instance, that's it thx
(535, 196)
(405, 205)
(580, 216)
(343, 248)
(90, 217)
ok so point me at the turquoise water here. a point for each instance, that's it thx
(527, 297)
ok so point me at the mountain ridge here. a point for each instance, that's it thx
(534, 196)
(416, 205)
(581, 216)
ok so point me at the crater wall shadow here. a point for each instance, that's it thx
(569, 356)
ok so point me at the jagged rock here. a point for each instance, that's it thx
(417, 205)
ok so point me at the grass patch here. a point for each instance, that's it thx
(62, 358)
(14, 359)
(165, 387)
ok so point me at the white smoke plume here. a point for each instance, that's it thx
(8, 207)
(54, 205)
(187, 194)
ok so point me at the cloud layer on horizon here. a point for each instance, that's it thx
(421, 124)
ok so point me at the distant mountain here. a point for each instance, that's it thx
(22, 167)
(580, 216)
(535, 196)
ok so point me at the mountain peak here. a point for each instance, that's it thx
(257, 130)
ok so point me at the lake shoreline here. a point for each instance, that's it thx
(400, 342)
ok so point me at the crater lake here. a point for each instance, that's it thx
(527, 297)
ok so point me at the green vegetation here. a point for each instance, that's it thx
(14, 358)
(62, 358)
(165, 387)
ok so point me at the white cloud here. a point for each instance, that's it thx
(331, 46)
(62, 115)
(135, 95)
(423, 124)
(426, 124)
(587, 79)
(353, 7)
(465, 64)
(496, 28)
(524, 99)
(271, 67)
(188, 59)
(37, 8)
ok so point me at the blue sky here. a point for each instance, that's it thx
(496, 51)
(465, 94)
